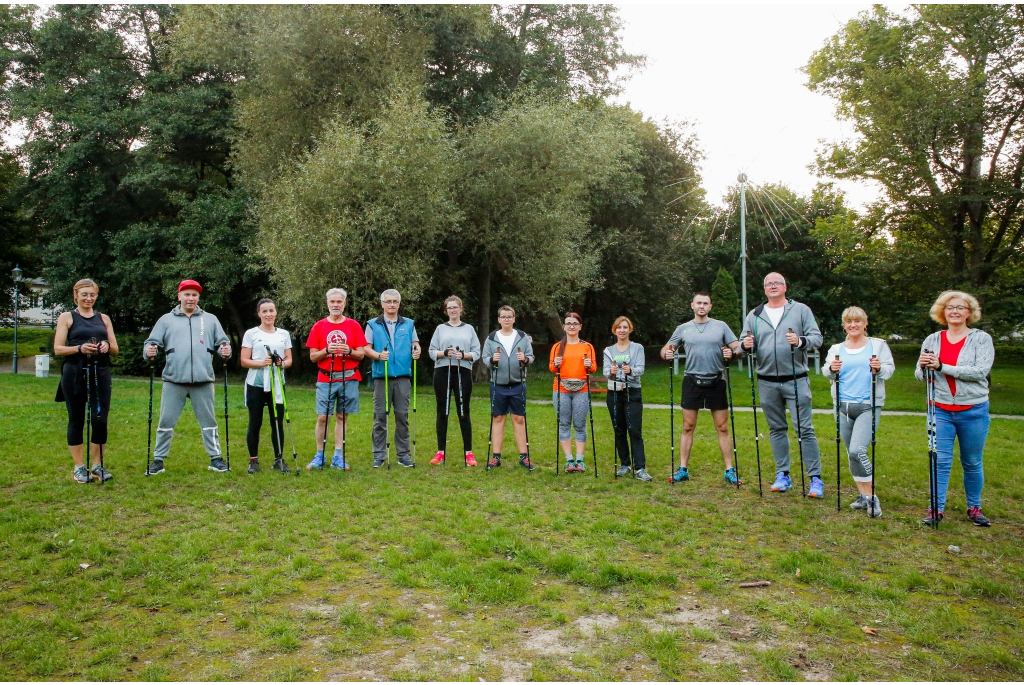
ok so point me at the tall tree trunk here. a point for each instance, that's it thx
(480, 372)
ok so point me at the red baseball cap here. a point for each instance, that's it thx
(189, 284)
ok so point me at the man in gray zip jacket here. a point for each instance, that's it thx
(781, 332)
(189, 337)
(507, 352)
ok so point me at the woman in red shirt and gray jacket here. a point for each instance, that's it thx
(962, 358)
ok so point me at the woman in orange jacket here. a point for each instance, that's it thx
(571, 361)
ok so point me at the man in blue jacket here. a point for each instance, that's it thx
(392, 338)
(781, 332)
(189, 337)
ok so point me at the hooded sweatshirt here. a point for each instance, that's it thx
(507, 371)
(189, 343)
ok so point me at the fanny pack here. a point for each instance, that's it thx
(339, 375)
(704, 381)
(573, 384)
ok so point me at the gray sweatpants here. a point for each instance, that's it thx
(572, 409)
(855, 428)
(775, 397)
(172, 401)
(400, 390)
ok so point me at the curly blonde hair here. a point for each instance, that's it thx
(938, 310)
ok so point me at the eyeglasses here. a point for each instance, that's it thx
(391, 301)
(454, 307)
(774, 284)
(572, 323)
(506, 317)
(956, 308)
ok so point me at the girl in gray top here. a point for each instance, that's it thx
(623, 365)
(454, 347)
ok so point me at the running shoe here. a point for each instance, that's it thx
(438, 458)
(317, 463)
(580, 466)
(874, 509)
(81, 474)
(861, 502)
(929, 519)
(623, 471)
(681, 474)
(470, 459)
(817, 489)
(642, 475)
(782, 483)
(731, 477)
(570, 466)
(217, 464)
(338, 463)
(406, 462)
(378, 462)
(101, 473)
(977, 518)
(279, 465)
(526, 463)
(493, 463)
(254, 466)
(156, 467)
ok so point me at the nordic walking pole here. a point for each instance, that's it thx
(288, 422)
(558, 413)
(275, 429)
(149, 427)
(99, 410)
(526, 425)
(88, 420)
(672, 417)
(796, 421)
(227, 432)
(344, 421)
(490, 426)
(590, 408)
(414, 364)
(732, 421)
(461, 408)
(874, 379)
(929, 382)
(447, 407)
(387, 413)
(839, 438)
(327, 413)
(615, 423)
(753, 408)
(629, 426)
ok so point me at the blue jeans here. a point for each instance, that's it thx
(970, 427)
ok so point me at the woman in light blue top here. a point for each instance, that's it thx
(859, 357)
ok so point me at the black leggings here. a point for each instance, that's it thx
(443, 395)
(73, 385)
(256, 399)
(628, 418)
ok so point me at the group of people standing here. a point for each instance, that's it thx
(778, 336)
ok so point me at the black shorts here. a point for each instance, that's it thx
(509, 399)
(704, 397)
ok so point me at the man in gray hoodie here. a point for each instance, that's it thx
(781, 332)
(189, 337)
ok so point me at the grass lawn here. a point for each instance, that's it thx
(449, 573)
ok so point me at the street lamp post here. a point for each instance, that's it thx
(16, 274)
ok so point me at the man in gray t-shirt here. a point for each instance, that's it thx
(708, 345)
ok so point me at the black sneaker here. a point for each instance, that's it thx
(378, 462)
(930, 519)
(101, 473)
(406, 462)
(157, 466)
(623, 471)
(217, 464)
(977, 518)
(254, 466)
(279, 465)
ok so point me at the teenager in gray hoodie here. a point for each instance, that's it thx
(189, 337)
(781, 332)
(508, 351)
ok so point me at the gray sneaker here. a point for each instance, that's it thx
(217, 464)
(623, 471)
(279, 465)
(406, 462)
(641, 474)
(378, 462)
(254, 466)
(101, 473)
(874, 508)
(81, 474)
(157, 466)
(860, 503)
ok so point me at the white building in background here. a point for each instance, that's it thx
(35, 308)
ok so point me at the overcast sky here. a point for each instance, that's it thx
(734, 72)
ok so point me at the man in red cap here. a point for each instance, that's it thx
(189, 337)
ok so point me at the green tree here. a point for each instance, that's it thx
(726, 301)
(936, 100)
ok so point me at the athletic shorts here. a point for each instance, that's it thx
(344, 397)
(703, 397)
(509, 399)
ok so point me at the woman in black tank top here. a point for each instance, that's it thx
(85, 338)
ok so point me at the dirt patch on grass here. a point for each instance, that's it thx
(548, 642)
(589, 625)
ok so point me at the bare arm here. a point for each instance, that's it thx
(60, 337)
